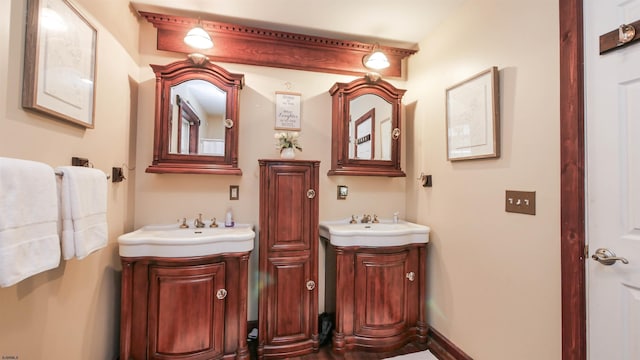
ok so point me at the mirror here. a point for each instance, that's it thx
(366, 128)
(196, 126)
(370, 128)
(197, 119)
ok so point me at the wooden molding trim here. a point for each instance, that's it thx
(572, 176)
(255, 46)
(444, 349)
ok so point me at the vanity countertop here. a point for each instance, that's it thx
(173, 241)
(384, 233)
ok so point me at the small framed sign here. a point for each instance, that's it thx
(287, 110)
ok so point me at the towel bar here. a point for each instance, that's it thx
(60, 173)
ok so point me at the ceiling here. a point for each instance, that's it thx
(403, 23)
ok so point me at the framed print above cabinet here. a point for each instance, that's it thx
(473, 117)
(59, 62)
(287, 111)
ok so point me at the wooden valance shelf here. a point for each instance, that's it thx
(263, 47)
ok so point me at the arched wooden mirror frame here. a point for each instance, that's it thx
(165, 161)
(342, 94)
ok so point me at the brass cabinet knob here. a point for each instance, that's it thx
(311, 285)
(411, 276)
(311, 193)
(221, 294)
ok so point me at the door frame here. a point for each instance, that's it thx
(572, 179)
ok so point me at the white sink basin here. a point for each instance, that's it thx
(172, 241)
(384, 233)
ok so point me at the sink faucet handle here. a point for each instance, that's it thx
(353, 219)
(184, 223)
(375, 219)
(198, 222)
(213, 223)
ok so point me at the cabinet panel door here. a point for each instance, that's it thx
(290, 213)
(185, 316)
(380, 294)
(288, 300)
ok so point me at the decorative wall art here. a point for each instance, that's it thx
(59, 62)
(473, 121)
(287, 110)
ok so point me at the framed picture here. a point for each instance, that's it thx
(287, 111)
(473, 121)
(59, 62)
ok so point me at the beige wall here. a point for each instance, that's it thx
(494, 277)
(70, 312)
(494, 282)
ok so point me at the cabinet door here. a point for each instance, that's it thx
(290, 197)
(186, 312)
(380, 294)
(289, 305)
(288, 310)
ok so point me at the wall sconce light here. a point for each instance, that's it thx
(376, 60)
(198, 38)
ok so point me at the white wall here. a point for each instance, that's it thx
(494, 277)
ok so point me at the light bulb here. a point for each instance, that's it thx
(376, 60)
(198, 38)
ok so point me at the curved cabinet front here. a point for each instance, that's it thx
(184, 308)
(380, 297)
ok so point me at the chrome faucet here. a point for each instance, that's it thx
(365, 218)
(198, 222)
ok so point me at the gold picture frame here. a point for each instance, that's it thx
(473, 117)
(59, 62)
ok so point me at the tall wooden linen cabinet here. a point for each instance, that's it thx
(288, 258)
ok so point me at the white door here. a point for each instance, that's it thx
(612, 122)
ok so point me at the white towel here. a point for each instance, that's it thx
(29, 242)
(83, 202)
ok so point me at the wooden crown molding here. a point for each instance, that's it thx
(255, 46)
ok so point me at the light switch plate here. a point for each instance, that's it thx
(234, 192)
(523, 202)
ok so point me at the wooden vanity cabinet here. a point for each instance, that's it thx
(184, 308)
(288, 260)
(380, 297)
